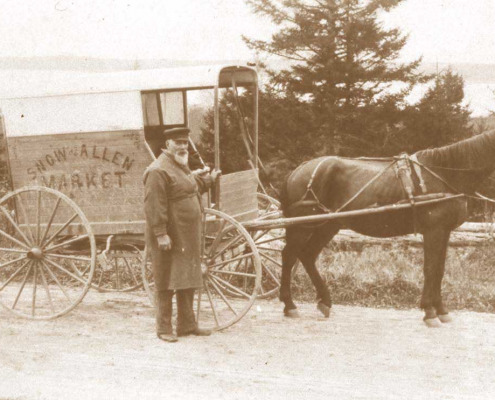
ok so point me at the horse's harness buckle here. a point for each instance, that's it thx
(403, 172)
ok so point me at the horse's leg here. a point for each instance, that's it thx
(295, 240)
(435, 252)
(442, 311)
(308, 257)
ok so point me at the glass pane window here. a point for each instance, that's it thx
(150, 109)
(172, 104)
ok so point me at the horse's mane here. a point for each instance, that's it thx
(477, 152)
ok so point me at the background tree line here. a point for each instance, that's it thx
(342, 90)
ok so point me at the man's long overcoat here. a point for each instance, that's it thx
(172, 206)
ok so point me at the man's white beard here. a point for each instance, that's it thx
(182, 159)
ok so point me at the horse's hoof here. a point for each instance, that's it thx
(324, 309)
(445, 318)
(292, 313)
(433, 322)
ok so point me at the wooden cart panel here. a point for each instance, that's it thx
(101, 171)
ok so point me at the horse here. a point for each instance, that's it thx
(336, 184)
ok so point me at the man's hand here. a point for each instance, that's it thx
(215, 173)
(164, 242)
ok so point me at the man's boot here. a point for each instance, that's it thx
(164, 329)
(186, 322)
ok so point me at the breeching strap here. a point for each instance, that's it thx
(310, 191)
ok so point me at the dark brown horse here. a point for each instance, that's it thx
(337, 185)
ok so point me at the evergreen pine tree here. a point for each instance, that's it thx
(343, 65)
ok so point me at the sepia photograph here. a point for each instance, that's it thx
(247, 199)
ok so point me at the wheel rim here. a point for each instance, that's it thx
(119, 270)
(147, 276)
(42, 273)
(227, 293)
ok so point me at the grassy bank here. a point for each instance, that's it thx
(393, 277)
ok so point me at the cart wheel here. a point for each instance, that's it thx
(270, 243)
(147, 276)
(42, 276)
(118, 270)
(230, 264)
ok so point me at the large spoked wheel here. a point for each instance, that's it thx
(270, 243)
(42, 272)
(119, 269)
(231, 272)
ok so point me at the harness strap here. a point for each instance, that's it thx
(417, 168)
(403, 172)
(376, 177)
(309, 188)
(404, 175)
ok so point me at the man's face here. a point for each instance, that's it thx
(178, 148)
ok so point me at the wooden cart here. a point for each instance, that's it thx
(77, 150)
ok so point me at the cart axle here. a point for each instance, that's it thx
(35, 253)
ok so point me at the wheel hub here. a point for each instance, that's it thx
(35, 253)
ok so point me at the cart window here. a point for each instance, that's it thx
(172, 104)
(162, 110)
(150, 110)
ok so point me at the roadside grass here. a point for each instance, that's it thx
(392, 276)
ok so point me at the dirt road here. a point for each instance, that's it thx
(106, 348)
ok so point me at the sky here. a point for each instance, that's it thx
(441, 31)
(453, 31)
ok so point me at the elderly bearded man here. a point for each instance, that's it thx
(173, 212)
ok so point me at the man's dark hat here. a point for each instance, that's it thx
(177, 133)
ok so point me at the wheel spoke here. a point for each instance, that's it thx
(219, 291)
(101, 277)
(271, 240)
(66, 243)
(230, 260)
(50, 221)
(35, 279)
(14, 275)
(12, 261)
(232, 242)
(60, 230)
(218, 238)
(270, 274)
(235, 289)
(11, 250)
(259, 234)
(129, 268)
(38, 219)
(22, 287)
(75, 269)
(211, 303)
(77, 258)
(47, 289)
(233, 273)
(13, 239)
(50, 272)
(198, 312)
(117, 274)
(26, 220)
(62, 269)
(269, 249)
(14, 224)
(270, 259)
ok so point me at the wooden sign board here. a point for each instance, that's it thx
(101, 171)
